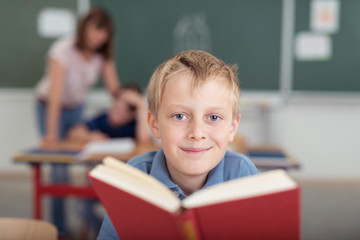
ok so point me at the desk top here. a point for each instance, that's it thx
(270, 157)
(67, 152)
(263, 156)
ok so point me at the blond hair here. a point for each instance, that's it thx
(202, 66)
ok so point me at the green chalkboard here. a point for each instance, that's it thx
(243, 32)
(342, 71)
(22, 50)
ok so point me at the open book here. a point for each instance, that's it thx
(264, 206)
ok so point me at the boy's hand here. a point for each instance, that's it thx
(133, 98)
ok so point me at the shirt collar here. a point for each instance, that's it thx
(216, 175)
(159, 170)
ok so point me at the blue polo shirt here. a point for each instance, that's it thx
(232, 166)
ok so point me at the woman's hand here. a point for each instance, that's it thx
(133, 98)
(49, 142)
(110, 78)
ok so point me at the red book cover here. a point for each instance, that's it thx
(134, 218)
(266, 206)
(272, 216)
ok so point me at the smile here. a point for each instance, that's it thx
(195, 150)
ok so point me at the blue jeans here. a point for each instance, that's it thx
(59, 171)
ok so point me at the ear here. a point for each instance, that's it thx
(234, 127)
(153, 124)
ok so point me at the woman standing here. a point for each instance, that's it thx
(73, 67)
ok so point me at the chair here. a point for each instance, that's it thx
(27, 229)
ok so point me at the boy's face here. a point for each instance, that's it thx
(194, 125)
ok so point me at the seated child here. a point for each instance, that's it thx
(126, 118)
(194, 108)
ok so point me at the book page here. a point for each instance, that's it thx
(257, 185)
(136, 173)
(136, 182)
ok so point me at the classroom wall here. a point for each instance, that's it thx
(320, 132)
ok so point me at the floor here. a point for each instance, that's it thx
(330, 209)
(16, 201)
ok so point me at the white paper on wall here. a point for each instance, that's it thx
(311, 46)
(55, 22)
(324, 16)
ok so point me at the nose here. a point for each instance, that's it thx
(197, 130)
(100, 39)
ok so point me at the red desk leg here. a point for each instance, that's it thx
(55, 190)
(37, 191)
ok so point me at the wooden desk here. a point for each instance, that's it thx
(266, 157)
(269, 157)
(64, 153)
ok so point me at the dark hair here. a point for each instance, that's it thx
(133, 87)
(101, 19)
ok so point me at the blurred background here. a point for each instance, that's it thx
(299, 70)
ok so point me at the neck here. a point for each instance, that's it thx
(86, 54)
(189, 184)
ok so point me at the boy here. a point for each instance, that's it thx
(125, 118)
(194, 109)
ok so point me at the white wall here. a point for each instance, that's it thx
(17, 124)
(322, 133)
(18, 129)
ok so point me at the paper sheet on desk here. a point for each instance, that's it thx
(111, 146)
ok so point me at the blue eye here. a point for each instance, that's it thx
(179, 116)
(214, 118)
